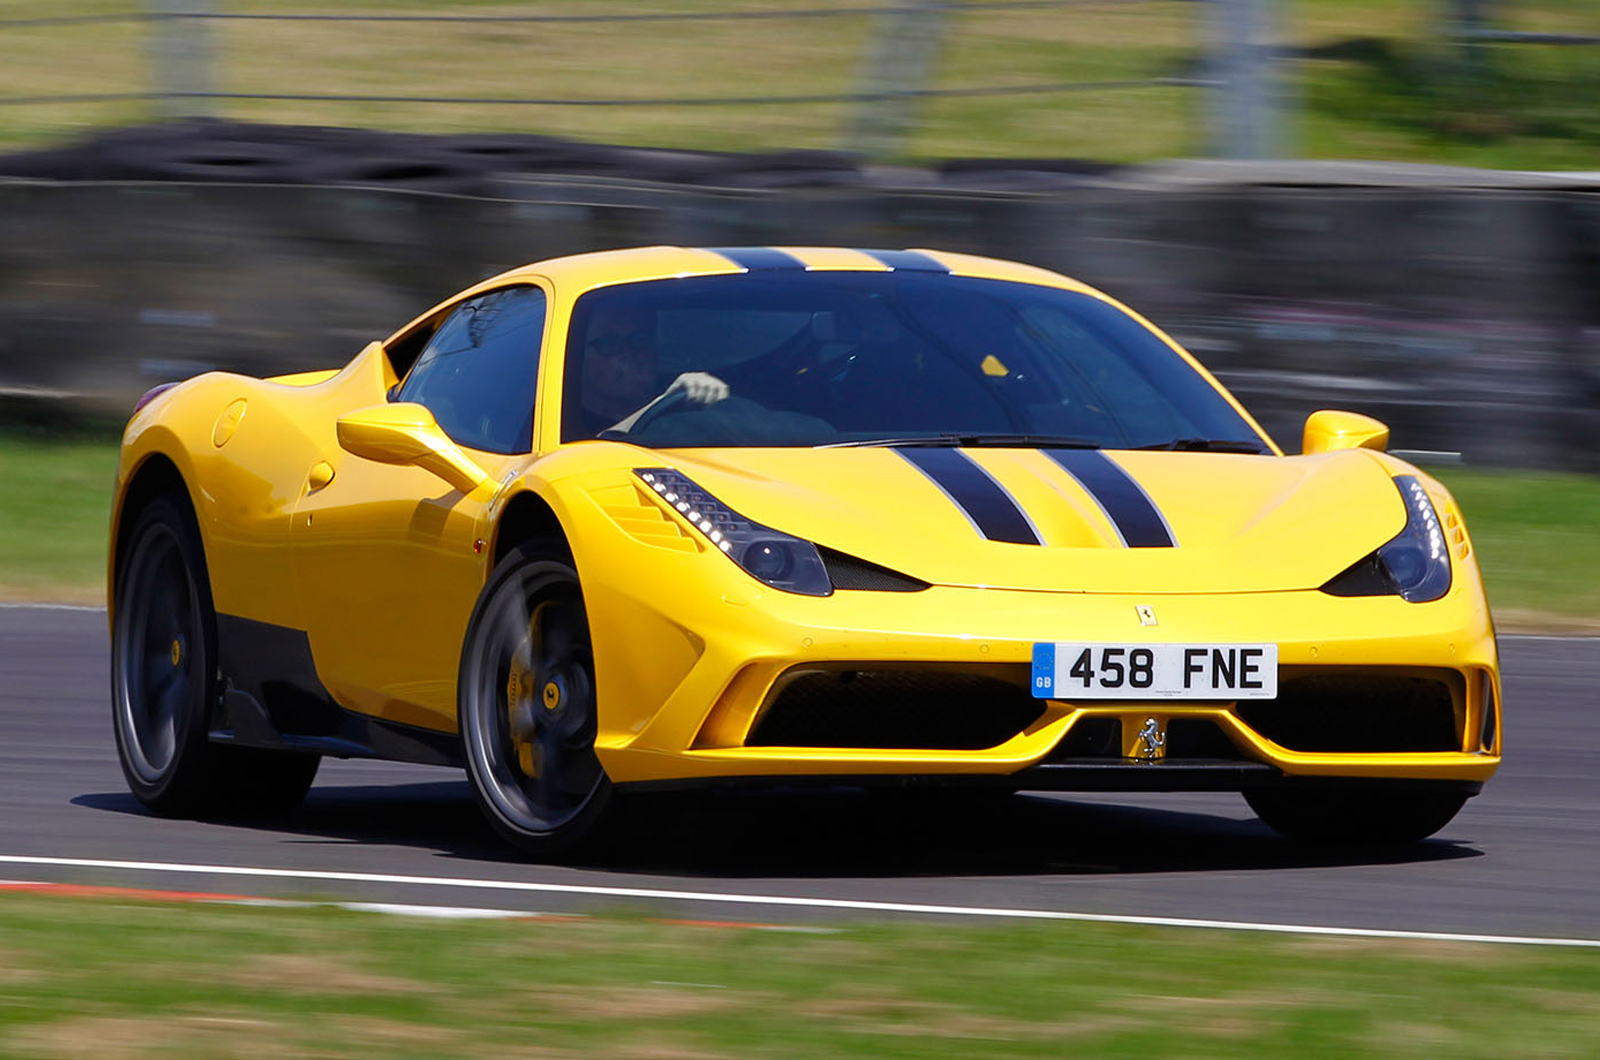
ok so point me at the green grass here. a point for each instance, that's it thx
(1534, 532)
(1376, 79)
(1538, 540)
(55, 508)
(123, 979)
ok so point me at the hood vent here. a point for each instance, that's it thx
(847, 572)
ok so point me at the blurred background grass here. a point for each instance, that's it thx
(55, 493)
(221, 981)
(1362, 78)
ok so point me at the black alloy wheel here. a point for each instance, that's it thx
(164, 682)
(527, 707)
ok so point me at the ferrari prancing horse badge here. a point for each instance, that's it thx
(1152, 740)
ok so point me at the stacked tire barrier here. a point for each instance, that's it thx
(1461, 307)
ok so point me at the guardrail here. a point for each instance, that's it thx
(1462, 315)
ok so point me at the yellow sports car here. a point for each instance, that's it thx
(674, 516)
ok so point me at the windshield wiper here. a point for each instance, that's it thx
(1210, 445)
(971, 441)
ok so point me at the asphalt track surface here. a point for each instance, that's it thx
(1522, 859)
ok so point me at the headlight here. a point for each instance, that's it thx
(771, 556)
(1414, 564)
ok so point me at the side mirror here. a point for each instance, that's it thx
(1331, 429)
(406, 433)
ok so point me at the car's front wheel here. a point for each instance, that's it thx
(1354, 814)
(526, 705)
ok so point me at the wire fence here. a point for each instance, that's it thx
(202, 15)
(1045, 88)
(868, 77)
(898, 45)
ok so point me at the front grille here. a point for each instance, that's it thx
(1356, 713)
(925, 710)
(1187, 738)
(1199, 738)
(1091, 738)
(848, 572)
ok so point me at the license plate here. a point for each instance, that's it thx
(1155, 671)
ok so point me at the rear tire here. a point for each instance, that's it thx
(527, 707)
(1351, 815)
(164, 681)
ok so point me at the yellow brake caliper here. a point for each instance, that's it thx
(519, 695)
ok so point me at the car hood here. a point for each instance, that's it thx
(1237, 522)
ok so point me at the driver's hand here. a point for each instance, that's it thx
(702, 388)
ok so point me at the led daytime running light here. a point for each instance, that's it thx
(780, 560)
(1417, 560)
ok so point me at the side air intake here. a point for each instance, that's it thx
(1334, 713)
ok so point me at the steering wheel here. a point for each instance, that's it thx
(671, 401)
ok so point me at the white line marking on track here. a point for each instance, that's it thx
(440, 912)
(50, 607)
(791, 901)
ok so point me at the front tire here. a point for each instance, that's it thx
(164, 681)
(1355, 815)
(527, 708)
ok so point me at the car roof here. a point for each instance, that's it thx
(576, 273)
(606, 267)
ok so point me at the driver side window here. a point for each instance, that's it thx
(478, 373)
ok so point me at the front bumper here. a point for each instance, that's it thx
(690, 654)
(690, 651)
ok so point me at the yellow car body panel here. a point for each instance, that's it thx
(380, 565)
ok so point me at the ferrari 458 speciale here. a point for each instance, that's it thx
(757, 515)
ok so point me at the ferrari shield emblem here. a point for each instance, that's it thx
(1147, 615)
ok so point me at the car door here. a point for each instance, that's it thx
(388, 558)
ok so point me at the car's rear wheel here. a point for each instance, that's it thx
(1354, 815)
(164, 682)
(527, 706)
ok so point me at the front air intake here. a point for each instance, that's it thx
(924, 710)
(1486, 698)
(1090, 738)
(1356, 713)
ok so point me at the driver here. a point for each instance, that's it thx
(619, 372)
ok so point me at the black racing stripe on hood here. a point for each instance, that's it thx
(1124, 501)
(907, 261)
(985, 503)
(759, 259)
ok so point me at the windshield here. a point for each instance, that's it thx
(828, 358)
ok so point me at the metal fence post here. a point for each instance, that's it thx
(1466, 22)
(180, 57)
(1244, 108)
(897, 61)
